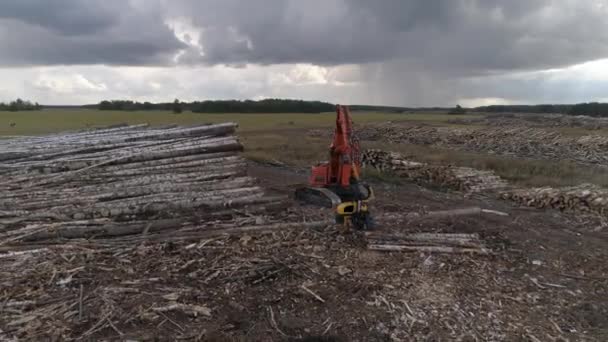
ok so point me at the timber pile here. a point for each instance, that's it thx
(586, 198)
(535, 120)
(123, 180)
(519, 141)
(457, 178)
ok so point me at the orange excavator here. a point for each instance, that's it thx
(337, 183)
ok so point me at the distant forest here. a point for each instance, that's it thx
(590, 109)
(222, 106)
(393, 109)
(19, 105)
(300, 106)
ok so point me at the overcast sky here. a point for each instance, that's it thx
(393, 52)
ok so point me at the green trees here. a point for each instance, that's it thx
(458, 110)
(19, 105)
(120, 105)
(262, 106)
(590, 109)
(537, 109)
(177, 107)
(223, 106)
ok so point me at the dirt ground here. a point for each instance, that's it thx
(546, 280)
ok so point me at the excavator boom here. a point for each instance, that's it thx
(344, 155)
(336, 184)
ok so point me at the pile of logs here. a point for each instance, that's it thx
(456, 178)
(585, 198)
(536, 120)
(518, 141)
(123, 180)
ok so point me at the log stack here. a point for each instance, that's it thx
(586, 198)
(123, 180)
(536, 120)
(518, 141)
(457, 178)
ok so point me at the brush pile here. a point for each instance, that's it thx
(457, 178)
(586, 198)
(123, 180)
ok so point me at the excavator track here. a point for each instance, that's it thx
(322, 197)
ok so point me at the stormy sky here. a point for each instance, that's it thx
(393, 52)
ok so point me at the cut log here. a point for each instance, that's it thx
(427, 249)
(88, 229)
(444, 213)
(425, 239)
(204, 233)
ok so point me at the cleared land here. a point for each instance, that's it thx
(544, 277)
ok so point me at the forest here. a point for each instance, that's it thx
(596, 109)
(222, 106)
(589, 109)
(19, 105)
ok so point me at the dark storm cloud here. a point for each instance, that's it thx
(451, 37)
(65, 16)
(466, 35)
(114, 32)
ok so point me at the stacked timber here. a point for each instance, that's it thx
(517, 141)
(456, 178)
(123, 180)
(536, 120)
(586, 198)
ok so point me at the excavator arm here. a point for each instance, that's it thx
(344, 155)
(336, 183)
(344, 150)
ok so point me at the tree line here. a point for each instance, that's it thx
(533, 109)
(394, 109)
(19, 105)
(222, 106)
(300, 106)
(589, 109)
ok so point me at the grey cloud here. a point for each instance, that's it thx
(401, 52)
(65, 16)
(84, 32)
(467, 35)
(538, 88)
(447, 36)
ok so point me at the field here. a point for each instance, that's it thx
(109, 236)
(50, 121)
(278, 137)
